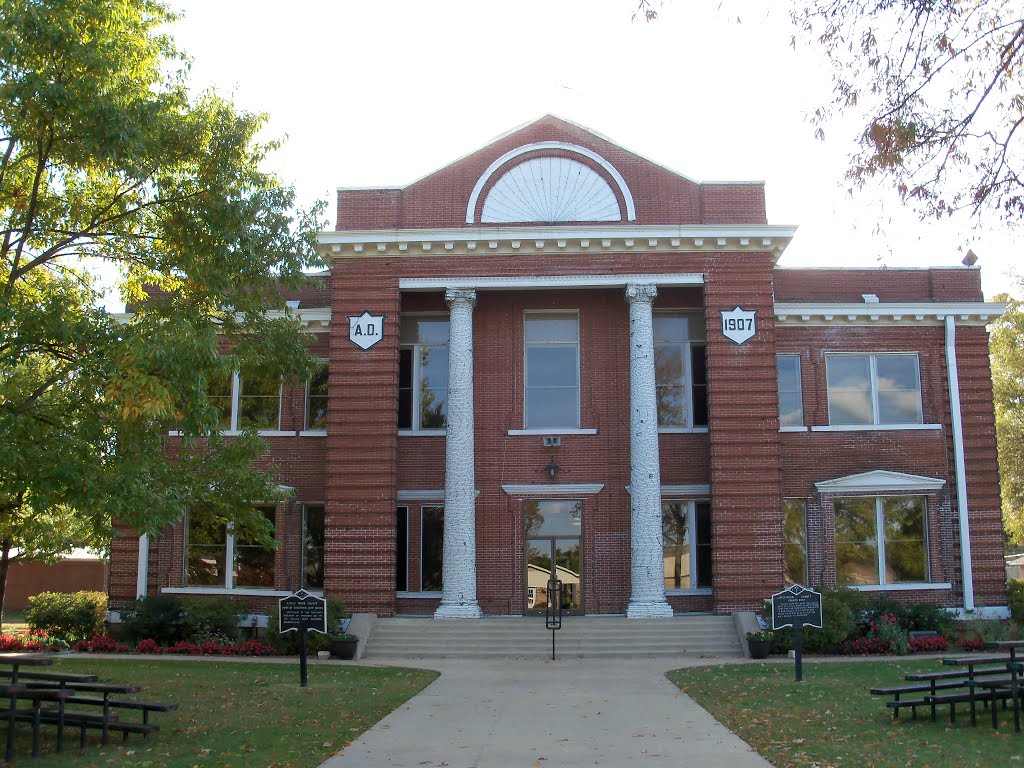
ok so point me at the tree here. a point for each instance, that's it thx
(109, 165)
(1007, 347)
(938, 85)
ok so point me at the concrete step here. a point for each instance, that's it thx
(580, 636)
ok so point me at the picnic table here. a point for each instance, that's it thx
(49, 693)
(1009, 685)
(16, 661)
(1012, 646)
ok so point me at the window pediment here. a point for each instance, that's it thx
(879, 480)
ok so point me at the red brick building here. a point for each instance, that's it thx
(557, 352)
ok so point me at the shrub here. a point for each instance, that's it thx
(888, 631)
(255, 648)
(841, 610)
(288, 643)
(162, 617)
(972, 645)
(67, 616)
(1016, 590)
(149, 645)
(214, 618)
(863, 646)
(911, 616)
(15, 644)
(184, 648)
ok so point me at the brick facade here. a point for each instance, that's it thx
(708, 248)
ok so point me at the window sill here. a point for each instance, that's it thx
(552, 431)
(313, 433)
(689, 592)
(900, 587)
(872, 427)
(422, 432)
(262, 433)
(240, 591)
(793, 428)
(682, 430)
(424, 595)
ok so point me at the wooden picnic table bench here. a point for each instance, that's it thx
(1004, 689)
(63, 677)
(1006, 645)
(15, 661)
(106, 689)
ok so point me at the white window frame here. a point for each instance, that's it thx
(691, 526)
(880, 538)
(873, 386)
(579, 379)
(236, 402)
(305, 415)
(414, 427)
(800, 390)
(229, 563)
(687, 355)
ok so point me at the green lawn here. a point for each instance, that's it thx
(238, 714)
(831, 720)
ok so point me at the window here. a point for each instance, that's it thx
(881, 540)
(215, 557)
(316, 399)
(552, 347)
(873, 389)
(791, 403)
(313, 546)
(687, 558)
(423, 372)
(680, 369)
(432, 546)
(430, 522)
(794, 521)
(246, 401)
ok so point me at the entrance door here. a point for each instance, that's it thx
(554, 544)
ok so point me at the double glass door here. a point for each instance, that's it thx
(554, 547)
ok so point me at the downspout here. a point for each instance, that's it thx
(961, 469)
(142, 580)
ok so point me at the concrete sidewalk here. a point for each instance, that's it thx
(527, 712)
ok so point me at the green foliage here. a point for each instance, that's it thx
(990, 630)
(213, 618)
(1016, 592)
(888, 629)
(67, 617)
(288, 643)
(841, 612)
(1006, 344)
(160, 617)
(169, 619)
(911, 616)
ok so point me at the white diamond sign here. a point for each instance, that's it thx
(365, 330)
(739, 325)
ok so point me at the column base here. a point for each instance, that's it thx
(649, 609)
(458, 611)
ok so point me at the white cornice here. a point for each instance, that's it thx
(879, 480)
(485, 283)
(545, 489)
(910, 313)
(554, 239)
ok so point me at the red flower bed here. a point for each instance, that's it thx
(864, 646)
(973, 646)
(929, 645)
(13, 644)
(149, 646)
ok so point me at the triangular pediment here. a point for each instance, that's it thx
(881, 480)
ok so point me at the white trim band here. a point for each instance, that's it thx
(434, 494)
(483, 283)
(861, 427)
(560, 489)
(972, 312)
(900, 587)
(559, 431)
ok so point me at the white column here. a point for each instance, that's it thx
(142, 575)
(953, 376)
(458, 567)
(647, 574)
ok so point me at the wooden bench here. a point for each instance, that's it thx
(899, 690)
(112, 704)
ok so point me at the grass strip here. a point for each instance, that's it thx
(830, 720)
(234, 714)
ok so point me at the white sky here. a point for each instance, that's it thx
(381, 93)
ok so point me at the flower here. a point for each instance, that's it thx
(761, 634)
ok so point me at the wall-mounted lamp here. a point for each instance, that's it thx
(970, 259)
(552, 468)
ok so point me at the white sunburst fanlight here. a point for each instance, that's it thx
(551, 190)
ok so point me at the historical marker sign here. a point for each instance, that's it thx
(739, 325)
(303, 611)
(365, 330)
(796, 605)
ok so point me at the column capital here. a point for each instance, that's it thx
(460, 295)
(642, 292)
